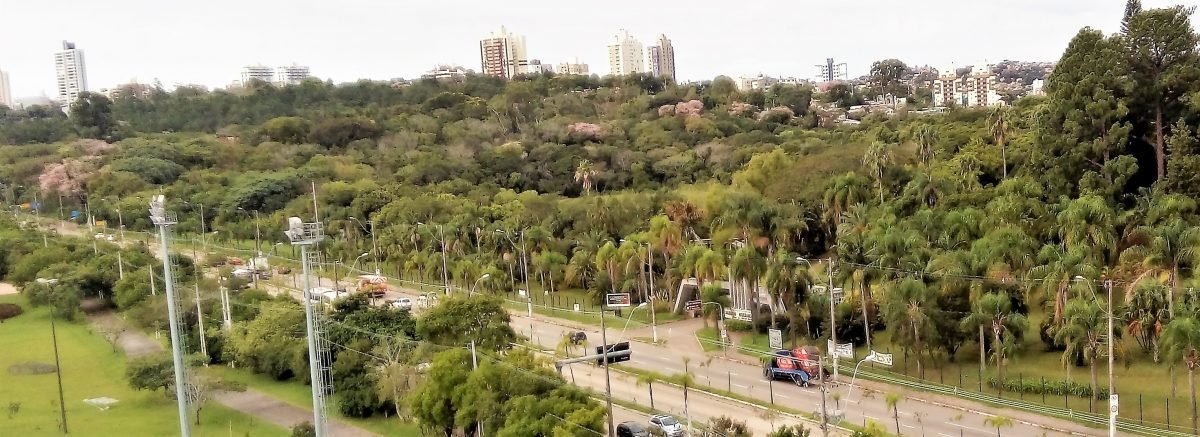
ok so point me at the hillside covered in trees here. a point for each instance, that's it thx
(972, 235)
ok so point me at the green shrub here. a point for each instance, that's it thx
(8, 310)
(1050, 387)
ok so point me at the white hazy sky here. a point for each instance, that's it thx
(207, 42)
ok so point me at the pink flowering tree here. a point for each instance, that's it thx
(585, 131)
(67, 177)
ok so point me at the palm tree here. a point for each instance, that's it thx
(1146, 314)
(877, 159)
(551, 263)
(908, 307)
(1000, 124)
(746, 268)
(1181, 342)
(667, 237)
(606, 261)
(783, 277)
(995, 311)
(998, 422)
(1085, 322)
(843, 192)
(584, 175)
(1088, 224)
(1164, 248)
(1057, 267)
(926, 135)
(893, 401)
(684, 214)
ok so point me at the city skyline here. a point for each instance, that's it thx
(191, 52)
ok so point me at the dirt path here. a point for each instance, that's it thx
(6, 288)
(253, 402)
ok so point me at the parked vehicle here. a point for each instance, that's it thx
(632, 429)
(667, 424)
(578, 337)
(403, 303)
(800, 365)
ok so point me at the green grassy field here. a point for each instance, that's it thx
(91, 369)
(300, 395)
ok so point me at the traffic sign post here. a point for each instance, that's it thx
(617, 300)
(1113, 408)
(692, 305)
(775, 338)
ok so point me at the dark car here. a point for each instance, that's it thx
(577, 337)
(632, 429)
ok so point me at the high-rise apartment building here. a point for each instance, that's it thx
(6, 98)
(830, 71)
(977, 88)
(625, 55)
(573, 68)
(503, 55)
(660, 58)
(291, 74)
(257, 72)
(453, 73)
(71, 73)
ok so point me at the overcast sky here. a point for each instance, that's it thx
(207, 42)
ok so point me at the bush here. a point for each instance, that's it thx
(304, 429)
(1057, 388)
(8, 310)
(737, 325)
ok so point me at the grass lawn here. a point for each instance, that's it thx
(300, 395)
(91, 369)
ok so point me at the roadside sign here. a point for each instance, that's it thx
(881, 358)
(576, 307)
(724, 334)
(743, 315)
(521, 292)
(1112, 404)
(775, 338)
(845, 350)
(829, 348)
(692, 305)
(617, 300)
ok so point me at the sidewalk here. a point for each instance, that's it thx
(253, 402)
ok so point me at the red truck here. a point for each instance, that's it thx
(800, 365)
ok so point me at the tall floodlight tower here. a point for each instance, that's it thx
(164, 219)
(305, 235)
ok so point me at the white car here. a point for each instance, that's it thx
(403, 303)
(668, 425)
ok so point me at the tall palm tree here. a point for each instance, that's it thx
(746, 267)
(926, 136)
(783, 277)
(1057, 267)
(1088, 224)
(893, 403)
(1146, 315)
(908, 308)
(995, 311)
(686, 215)
(1181, 342)
(1000, 123)
(551, 263)
(998, 422)
(606, 260)
(877, 159)
(1165, 248)
(667, 237)
(842, 193)
(1085, 321)
(585, 175)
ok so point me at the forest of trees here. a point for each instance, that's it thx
(956, 232)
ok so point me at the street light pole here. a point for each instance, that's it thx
(62, 406)
(1112, 393)
(721, 327)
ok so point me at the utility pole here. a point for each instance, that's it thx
(525, 265)
(607, 375)
(1112, 393)
(650, 268)
(305, 235)
(200, 324)
(832, 323)
(62, 406)
(164, 219)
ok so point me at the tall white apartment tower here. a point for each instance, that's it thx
(257, 72)
(291, 74)
(71, 72)
(5, 91)
(830, 71)
(503, 55)
(660, 58)
(625, 55)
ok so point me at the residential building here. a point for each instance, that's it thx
(759, 82)
(976, 88)
(257, 72)
(660, 58)
(453, 73)
(6, 98)
(625, 55)
(131, 89)
(71, 73)
(503, 54)
(291, 74)
(537, 67)
(573, 68)
(1038, 88)
(26, 102)
(830, 71)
